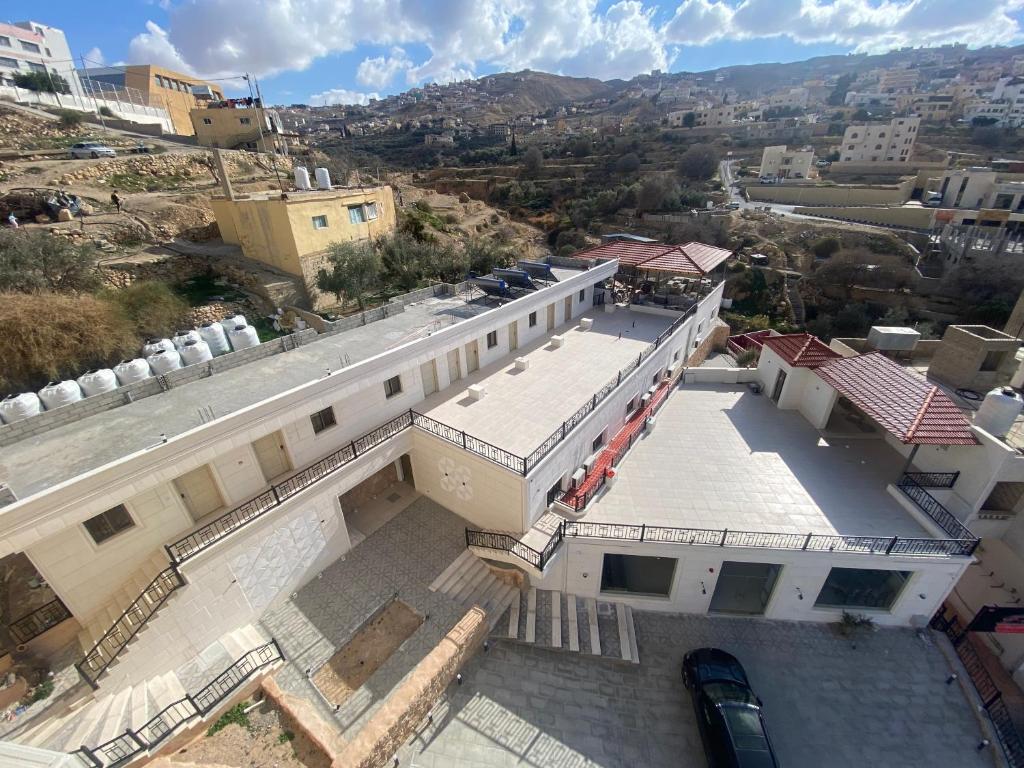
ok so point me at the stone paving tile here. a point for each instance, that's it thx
(881, 704)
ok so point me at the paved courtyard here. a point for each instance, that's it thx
(881, 704)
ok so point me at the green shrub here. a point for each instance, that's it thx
(70, 118)
(234, 716)
(285, 736)
(40, 692)
(152, 308)
(106, 111)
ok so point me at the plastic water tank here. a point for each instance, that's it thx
(58, 393)
(243, 337)
(216, 338)
(97, 382)
(155, 345)
(131, 371)
(181, 337)
(164, 361)
(1000, 409)
(302, 178)
(229, 323)
(323, 178)
(17, 407)
(195, 351)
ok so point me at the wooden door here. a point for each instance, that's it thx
(568, 309)
(428, 373)
(271, 456)
(513, 336)
(199, 492)
(551, 317)
(472, 356)
(454, 370)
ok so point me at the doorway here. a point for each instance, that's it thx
(513, 336)
(428, 374)
(744, 588)
(780, 382)
(472, 356)
(198, 492)
(568, 309)
(454, 369)
(271, 456)
(551, 317)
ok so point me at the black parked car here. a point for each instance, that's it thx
(728, 713)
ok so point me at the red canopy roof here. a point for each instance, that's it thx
(688, 259)
(906, 404)
(801, 350)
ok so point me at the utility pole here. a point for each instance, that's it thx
(259, 125)
(93, 94)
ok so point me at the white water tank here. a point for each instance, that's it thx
(156, 345)
(302, 178)
(97, 382)
(58, 393)
(17, 407)
(195, 351)
(229, 323)
(323, 178)
(216, 338)
(243, 337)
(131, 371)
(164, 361)
(1000, 409)
(181, 337)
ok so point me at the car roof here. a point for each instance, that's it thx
(715, 664)
(747, 733)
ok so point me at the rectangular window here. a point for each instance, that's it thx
(5, 41)
(244, 120)
(631, 405)
(36, 67)
(492, 339)
(598, 442)
(319, 222)
(393, 386)
(356, 214)
(207, 121)
(533, 315)
(637, 574)
(371, 211)
(8, 62)
(861, 588)
(108, 524)
(583, 293)
(676, 355)
(30, 47)
(322, 420)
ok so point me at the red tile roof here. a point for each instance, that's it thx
(688, 259)
(801, 350)
(906, 404)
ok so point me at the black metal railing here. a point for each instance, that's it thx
(934, 479)
(33, 624)
(122, 748)
(812, 542)
(128, 624)
(472, 444)
(1009, 738)
(928, 504)
(505, 542)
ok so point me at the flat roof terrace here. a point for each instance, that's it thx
(723, 458)
(523, 408)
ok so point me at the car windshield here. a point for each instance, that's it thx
(723, 691)
(745, 728)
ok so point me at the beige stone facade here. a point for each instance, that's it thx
(974, 357)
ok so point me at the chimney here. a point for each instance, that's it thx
(225, 180)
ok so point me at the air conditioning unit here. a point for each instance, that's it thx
(589, 463)
(577, 478)
(645, 400)
(674, 368)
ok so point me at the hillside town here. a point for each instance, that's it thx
(522, 419)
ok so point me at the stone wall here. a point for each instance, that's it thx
(714, 340)
(396, 720)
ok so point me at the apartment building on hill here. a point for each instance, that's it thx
(891, 142)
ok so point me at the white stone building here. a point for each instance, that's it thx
(891, 142)
(782, 163)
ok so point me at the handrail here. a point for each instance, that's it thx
(506, 542)
(123, 747)
(928, 504)
(934, 479)
(43, 618)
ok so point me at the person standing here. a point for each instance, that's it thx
(116, 200)
(12, 220)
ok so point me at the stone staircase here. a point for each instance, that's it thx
(469, 581)
(95, 720)
(564, 622)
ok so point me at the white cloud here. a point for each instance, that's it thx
(94, 58)
(380, 71)
(154, 46)
(341, 96)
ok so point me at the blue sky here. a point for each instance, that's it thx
(323, 51)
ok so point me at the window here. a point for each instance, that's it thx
(5, 41)
(244, 120)
(30, 47)
(319, 222)
(861, 588)
(492, 339)
(356, 214)
(108, 524)
(676, 355)
(598, 441)
(207, 121)
(36, 67)
(533, 315)
(637, 574)
(393, 386)
(583, 293)
(159, 80)
(371, 211)
(8, 62)
(657, 378)
(323, 420)
(992, 361)
(631, 405)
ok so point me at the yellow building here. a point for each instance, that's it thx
(173, 91)
(230, 127)
(292, 232)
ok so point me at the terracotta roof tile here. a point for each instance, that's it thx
(801, 350)
(689, 259)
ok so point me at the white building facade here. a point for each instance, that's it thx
(891, 142)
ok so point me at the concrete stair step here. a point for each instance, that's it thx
(115, 721)
(88, 724)
(574, 630)
(474, 576)
(531, 616)
(620, 618)
(448, 576)
(40, 733)
(487, 591)
(595, 634)
(556, 619)
(634, 652)
(513, 617)
(140, 709)
(252, 637)
(234, 644)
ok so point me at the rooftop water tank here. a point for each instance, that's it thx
(999, 410)
(216, 338)
(131, 371)
(164, 361)
(323, 178)
(243, 337)
(17, 407)
(181, 337)
(229, 323)
(58, 393)
(195, 351)
(302, 178)
(155, 345)
(97, 382)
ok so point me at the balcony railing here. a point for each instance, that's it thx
(928, 504)
(934, 479)
(34, 624)
(121, 749)
(506, 542)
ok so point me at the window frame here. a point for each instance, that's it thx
(370, 212)
(5, 41)
(356, 214)
(322, 423)
(320, 221)
(906, 575)
(114, 533)
(492, 339)
(532, 319)
(207, 121)
(245, 121)
(30, 47)
(393, 386)
(582, 294)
